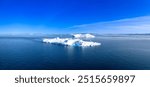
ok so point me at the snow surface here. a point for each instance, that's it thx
(71, 42)
(83, 36)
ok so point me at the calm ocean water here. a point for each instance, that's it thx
(115, 53)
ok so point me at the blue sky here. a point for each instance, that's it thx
(74, 16)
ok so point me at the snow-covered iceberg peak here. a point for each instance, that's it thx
(71, 42)
(83, 36)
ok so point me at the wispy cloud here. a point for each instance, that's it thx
(129, 25)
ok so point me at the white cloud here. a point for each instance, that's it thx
(130, 25)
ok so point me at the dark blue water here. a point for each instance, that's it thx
(114, 54)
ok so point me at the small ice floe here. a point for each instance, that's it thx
(71, 42)
(83, 36)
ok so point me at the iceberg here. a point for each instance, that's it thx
(83, 36)
(71, 42)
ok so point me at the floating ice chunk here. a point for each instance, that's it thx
(71, 42)
(83, 36)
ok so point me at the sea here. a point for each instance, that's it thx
(116, 52)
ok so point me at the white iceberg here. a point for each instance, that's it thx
(83, 36)
(71, 42)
